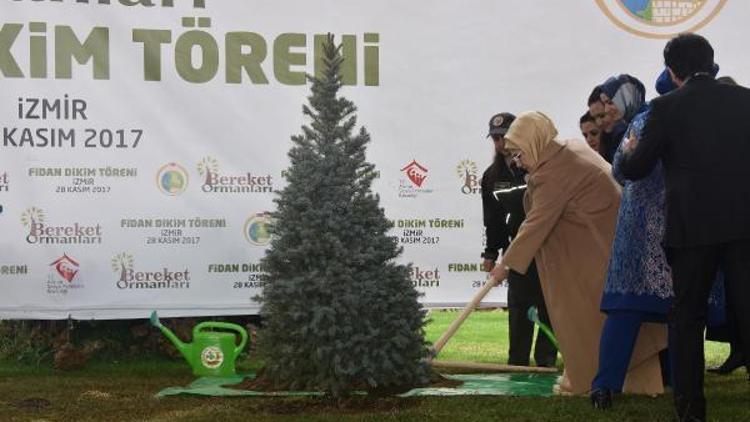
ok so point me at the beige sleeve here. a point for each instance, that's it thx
(547, 205)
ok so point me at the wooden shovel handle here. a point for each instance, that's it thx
(468, 309)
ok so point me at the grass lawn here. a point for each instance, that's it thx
(123, 391)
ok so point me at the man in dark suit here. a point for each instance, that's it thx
(701, 132)
(503, 188)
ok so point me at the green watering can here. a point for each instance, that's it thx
(212, 353)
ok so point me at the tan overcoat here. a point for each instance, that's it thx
(572, 203)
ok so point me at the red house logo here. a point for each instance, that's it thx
(67, 267)
(415, 172)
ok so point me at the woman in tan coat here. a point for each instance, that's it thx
(571, 211)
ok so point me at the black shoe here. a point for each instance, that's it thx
(601, 398)
(734, 361)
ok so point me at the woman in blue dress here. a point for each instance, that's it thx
(638, 289)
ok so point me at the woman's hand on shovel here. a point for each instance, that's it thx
(499, 273)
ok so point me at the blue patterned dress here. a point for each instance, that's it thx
(638, 278)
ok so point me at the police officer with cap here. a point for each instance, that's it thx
(503, 188)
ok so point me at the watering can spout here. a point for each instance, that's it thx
(184, 348)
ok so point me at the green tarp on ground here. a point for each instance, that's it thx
(474, 384)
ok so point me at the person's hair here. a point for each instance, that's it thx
(596, 95)
(688, 54)
(728, 80)
(587, 117)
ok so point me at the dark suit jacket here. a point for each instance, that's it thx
(701, 132)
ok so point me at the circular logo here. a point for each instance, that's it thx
(258, 229)
(660, 18)
(212, 357)
(172, 179)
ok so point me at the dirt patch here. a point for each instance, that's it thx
(440, 381)
(33, 404)
(261, 383)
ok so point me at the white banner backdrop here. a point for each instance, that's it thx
(143, 140)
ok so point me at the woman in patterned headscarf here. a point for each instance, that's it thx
(639, 281)
(571, 209)
(622, 98)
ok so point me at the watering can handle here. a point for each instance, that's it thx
(225, 326)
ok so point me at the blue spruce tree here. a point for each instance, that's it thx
(339, 312)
